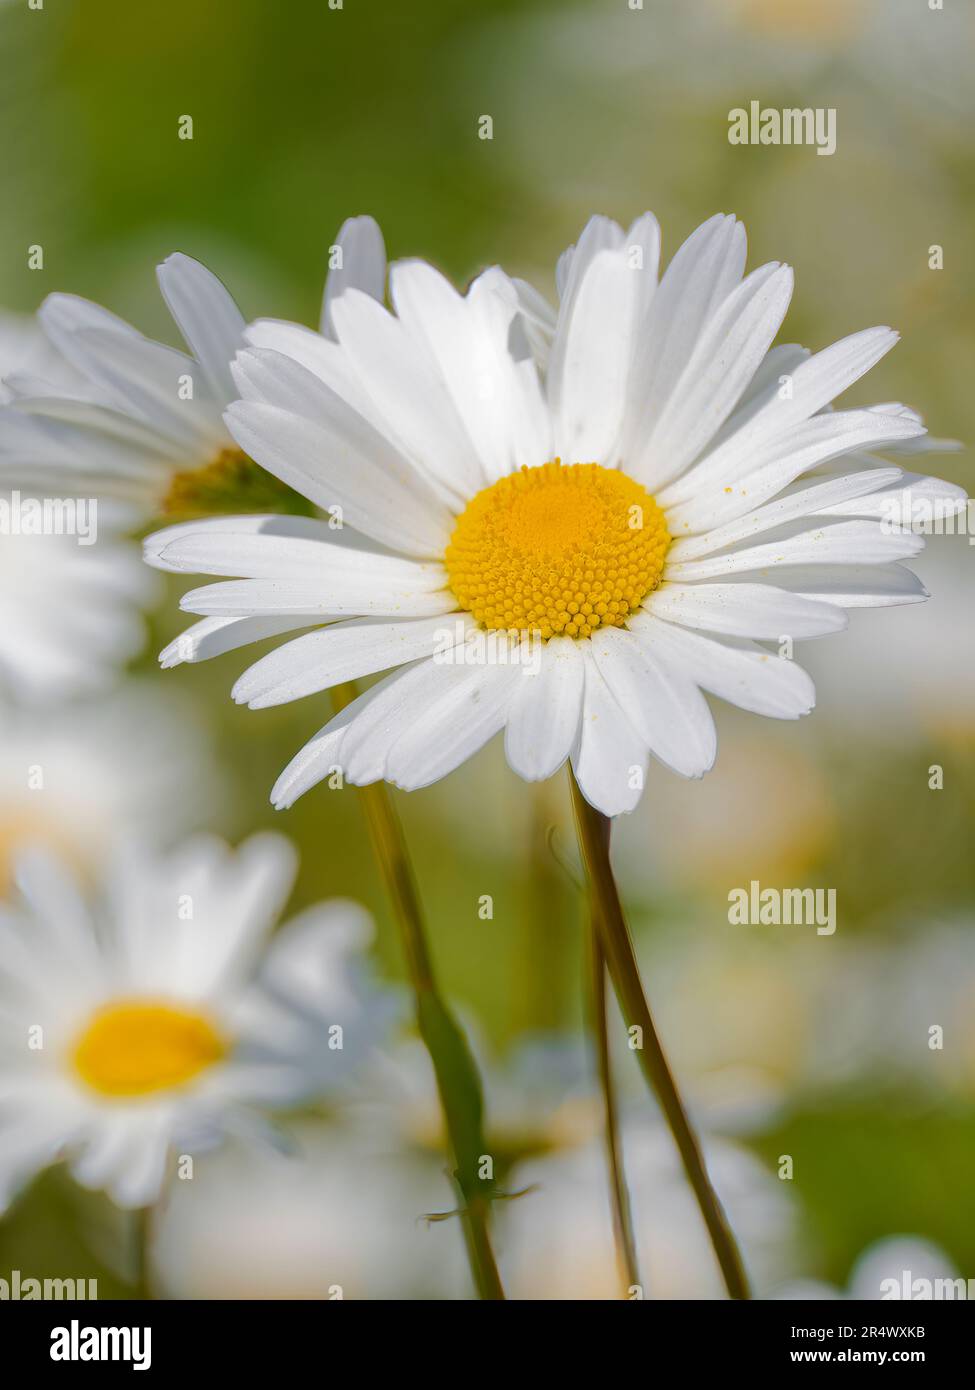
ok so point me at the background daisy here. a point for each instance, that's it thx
(104, 769)
(151, 1026)
(70, 615)
(97, 406)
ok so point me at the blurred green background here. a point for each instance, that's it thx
(304, 115)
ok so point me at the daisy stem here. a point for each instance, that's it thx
(458, 1080)
(593, 829)
(620, 1197)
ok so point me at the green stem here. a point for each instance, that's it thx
(550, 899)
(624, 972)
(620, 1197)
(458, 1081)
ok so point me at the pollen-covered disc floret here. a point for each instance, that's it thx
(564, 548)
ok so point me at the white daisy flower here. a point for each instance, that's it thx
(70, 614)
(340, 1215)
(105, 768)
(128, 418)
(539, 1098)
(69, 611)
(152, 1025)
(556, 1240)
(894, 1263)
(627, 497)
(905, 1016)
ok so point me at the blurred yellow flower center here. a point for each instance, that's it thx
(228, 483)
(809, 19)
(564, 548)
(138, 1046)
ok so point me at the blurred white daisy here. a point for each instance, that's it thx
(154, 1023)
(339, 1216)
(143, 422)
(626, 497)
(917, 1011)
(895, 1261)
(539, 1097)
(555, 1242)
(70, 614)
(102, 770)
(69, 604)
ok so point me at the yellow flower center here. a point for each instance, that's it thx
(565, 548)
(138, 1046)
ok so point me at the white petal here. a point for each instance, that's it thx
(923, 444)
(393, 706)
(275, 378)
(837, 543)
(468, 339)
(61, 455)
(459, 719)
(610, 759)
(727, 354)
(28, 1147)
(777, 464)
(346, 464)
(389, 709)
(149, 378)
(58, 907)
(744, 610)
(778, 363)
(809, 499)
(643, 237)
(666, 709)
(318, 758)
(154, 546)
(363, 266)
(328, 597)
(320, 356)
(61, 315)
(207, 316)
(742, 674)
(267, 555)
(539, 319)
(522, 421)
(103, 422)
(591, 358)
(543, 721)
(139, 1179)
(599, 234)
(854, 586)
(917, 500)
(704, 271)
(215, 636)
(343, 652)
(814, 384)
(408, 396)
(105, 1150)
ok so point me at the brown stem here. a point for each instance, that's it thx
(620, 1197)
(593, 829)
